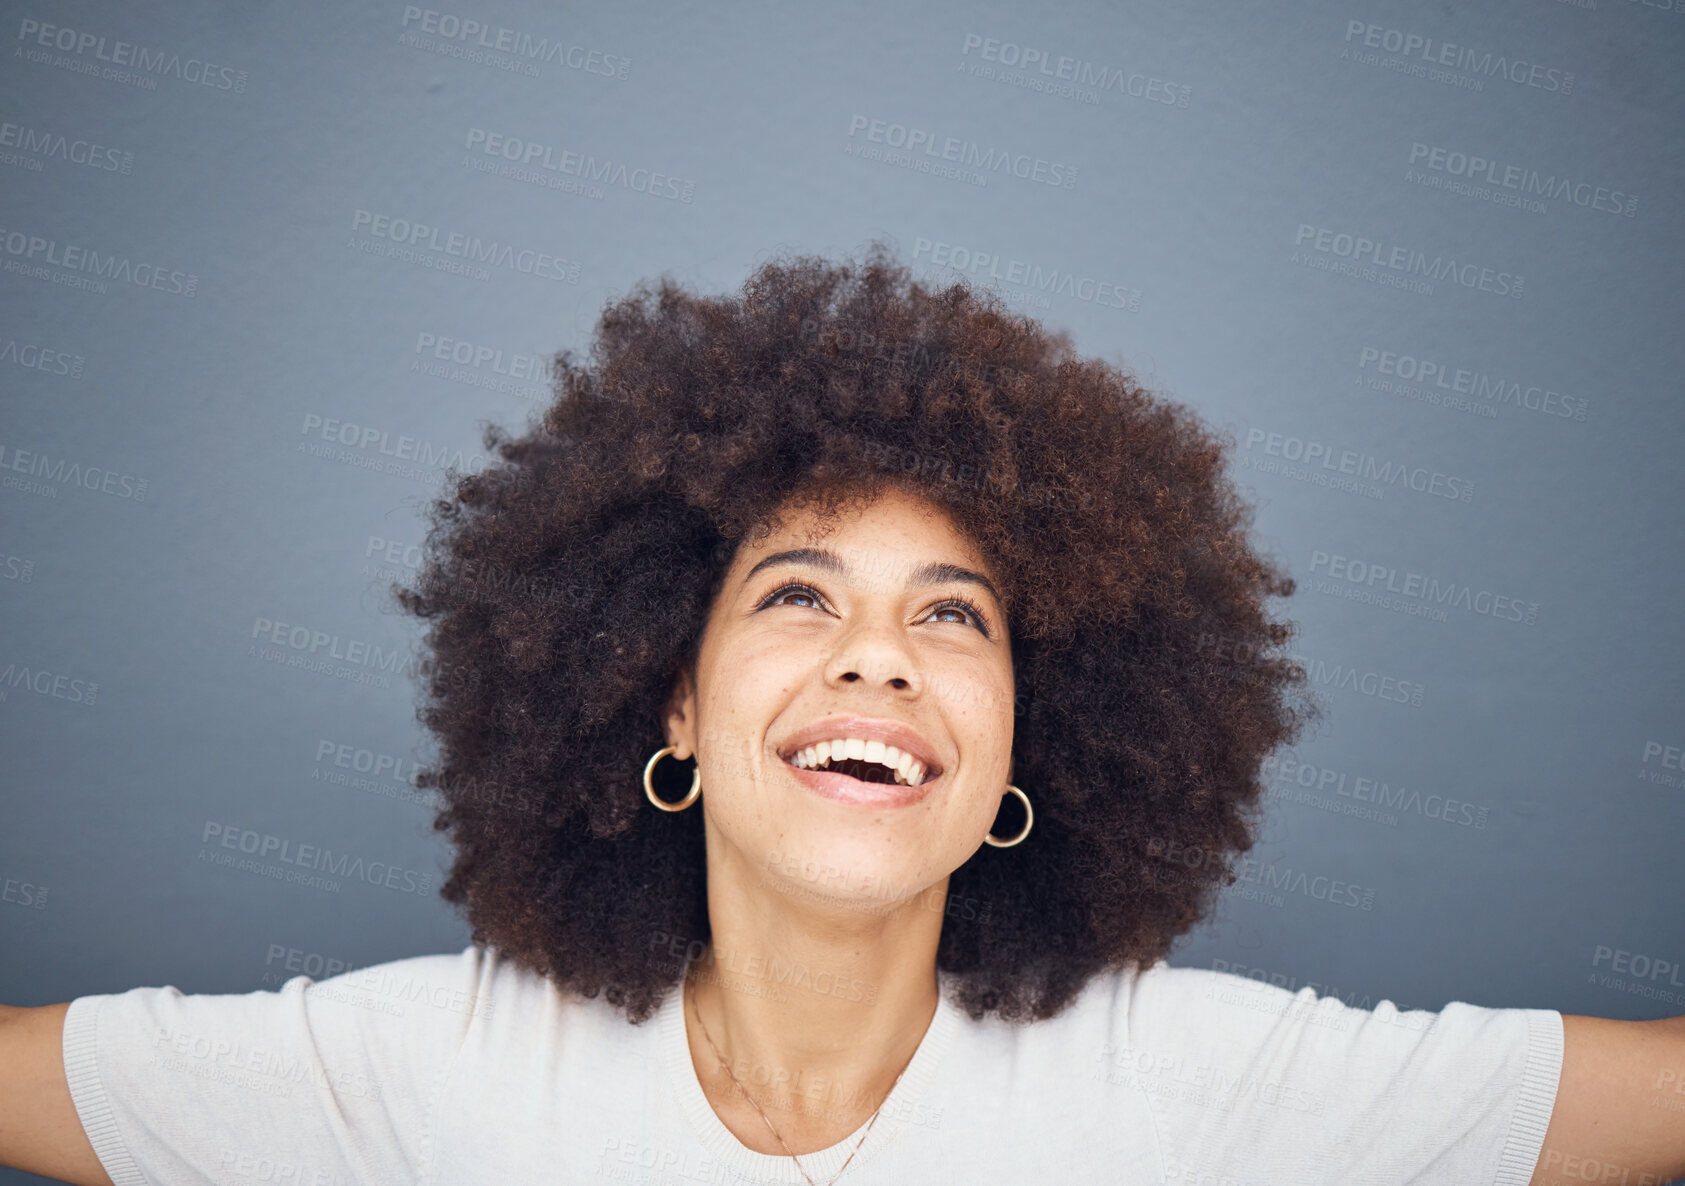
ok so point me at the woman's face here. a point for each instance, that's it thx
(858, 634)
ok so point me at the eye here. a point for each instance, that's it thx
(787, 590)
(961, 605)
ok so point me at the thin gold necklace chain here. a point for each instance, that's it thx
(697, 1009)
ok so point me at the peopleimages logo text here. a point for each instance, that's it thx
(1493, 389)
(1076, 70)
(1029, 275)
(92, 154)
(1407, 260)
(517, 44)
(127, 53)
(423, 236)
(970, 153)
(75, 257)
(1529, 182)
(1460, 57)
(537, 155)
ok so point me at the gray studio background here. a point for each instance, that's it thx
(1453, 387)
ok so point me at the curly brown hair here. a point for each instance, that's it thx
(568, 585)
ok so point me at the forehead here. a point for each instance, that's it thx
(893, 527)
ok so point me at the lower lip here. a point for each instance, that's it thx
(844, 789)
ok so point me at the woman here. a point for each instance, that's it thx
(968, 648)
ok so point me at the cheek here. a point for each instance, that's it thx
(977, 694)
(748, 685)
(985, 734)
(734, 719)
(728, 770)
(981, 809)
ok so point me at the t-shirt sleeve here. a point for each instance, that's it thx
(1252, 1083)
(315, 1082)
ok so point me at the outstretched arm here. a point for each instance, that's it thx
(39, 1128)
(1620, 1106)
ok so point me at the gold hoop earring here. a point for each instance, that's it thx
(649, 790)
(1029, 822)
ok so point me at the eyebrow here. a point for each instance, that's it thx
(924, 574)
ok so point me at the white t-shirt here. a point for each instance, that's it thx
(466, 1070)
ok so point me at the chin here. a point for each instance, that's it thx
(850, 868)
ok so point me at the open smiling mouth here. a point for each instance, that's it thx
(886, 765)
(861, 769)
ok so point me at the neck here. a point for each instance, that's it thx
(817, 1006)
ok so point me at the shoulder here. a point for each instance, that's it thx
(370, 1051)
(1169, 1000)
(477, 989)
(1290, 1084)
(466, 982)
(480, 987)
(1133, 1014)
(416, 1007)
(1092, 1023)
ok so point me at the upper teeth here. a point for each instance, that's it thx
(907, 769)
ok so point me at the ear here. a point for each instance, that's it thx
(679, 715)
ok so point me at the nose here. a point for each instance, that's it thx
(876, 657)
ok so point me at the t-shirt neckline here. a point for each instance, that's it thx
(822, 1164)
